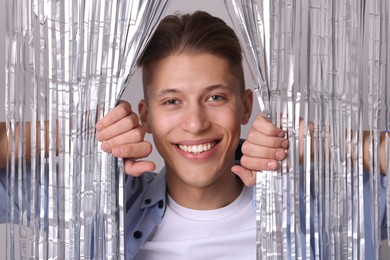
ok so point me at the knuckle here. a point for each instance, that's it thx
(245, 161)
(138, 135)
(147, 147)
(142, 130)
(251, 135)
(121, 110)
(134, 117)
(271, 153)
(257, 124)
(125, 105)
(251, 163)
(274, 143)
(102, 135)
(245, 148)
(124, 109)
(129, 119)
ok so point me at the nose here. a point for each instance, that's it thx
(195, 119)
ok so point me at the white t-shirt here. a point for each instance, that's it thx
(225, 233)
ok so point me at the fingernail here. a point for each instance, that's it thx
(281, 133)
(105, 146)
(279, 153)
(99, 137)
(272, 165)
(99, 126)
(284, 144)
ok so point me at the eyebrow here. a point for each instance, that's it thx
(205, 90)
(167, 91)
(219, 86)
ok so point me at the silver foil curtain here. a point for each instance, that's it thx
(326, 61)
(67, 63)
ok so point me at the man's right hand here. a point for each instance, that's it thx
(121, 134)
(264, 147)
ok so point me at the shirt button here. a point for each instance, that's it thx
(147, 201)
(160, 204)
(137, 234)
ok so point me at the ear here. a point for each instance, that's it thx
(248, 103)
(143, 114)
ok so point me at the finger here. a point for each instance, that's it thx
(134, 136)
(134, 151)
(137, 168)
(260, 151)
(261, 124)
(259, 164)
(122, 126)
(248, 177)
(120, 111)
(261, 139)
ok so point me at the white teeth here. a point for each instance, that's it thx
(196, 149)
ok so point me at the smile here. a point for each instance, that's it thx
(197, 149)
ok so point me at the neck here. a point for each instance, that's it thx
(216, 195)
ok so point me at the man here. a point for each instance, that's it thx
(195, 101)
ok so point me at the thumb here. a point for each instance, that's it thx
(138, 167)
(248, 177)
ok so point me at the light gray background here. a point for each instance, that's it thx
(133, 92)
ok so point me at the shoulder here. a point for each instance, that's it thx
(145, 207)
(135, 186)
(149, 186)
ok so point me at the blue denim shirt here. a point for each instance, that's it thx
(145, 198)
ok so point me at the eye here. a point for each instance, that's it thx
(216, 98)
(171, 102)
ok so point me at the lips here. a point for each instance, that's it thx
(198, 148)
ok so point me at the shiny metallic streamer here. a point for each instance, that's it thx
(316, 59)
(271, 187)
(387, 118)
(377, 23)
(250, 17)
(67, 64)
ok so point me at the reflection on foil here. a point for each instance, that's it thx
(67, 63)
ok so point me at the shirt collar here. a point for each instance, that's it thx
(156, 190)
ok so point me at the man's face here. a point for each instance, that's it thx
(194, 111)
